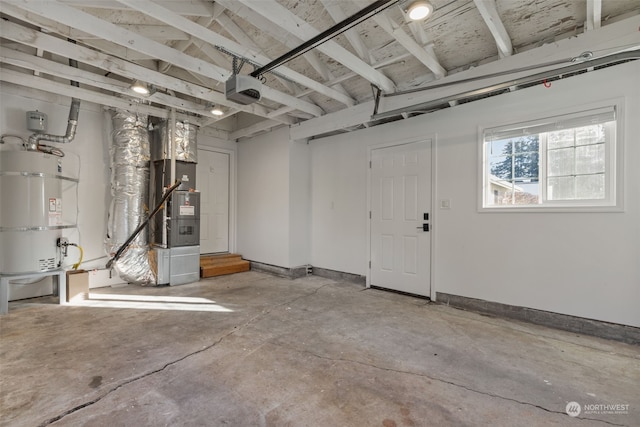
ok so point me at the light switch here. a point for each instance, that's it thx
(445, 204)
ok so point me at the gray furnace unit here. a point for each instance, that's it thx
(176, 232)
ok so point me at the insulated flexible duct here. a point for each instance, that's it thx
(130, 156)
(185, 142)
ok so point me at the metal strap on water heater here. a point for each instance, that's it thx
(40, 175)
(40, 228)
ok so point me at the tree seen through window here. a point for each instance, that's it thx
(515, 168)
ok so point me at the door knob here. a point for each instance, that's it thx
(424, 227)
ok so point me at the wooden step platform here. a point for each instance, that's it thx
(220, 264)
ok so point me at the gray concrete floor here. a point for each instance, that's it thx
(252, 349)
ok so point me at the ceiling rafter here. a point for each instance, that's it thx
(89, 23)
(44, 66)
(238, 33)
(594, 14)
(183, 45)
(183, 7)
(72, 33)
(392, 27)
(33, 82)
(489, 12)
(606, 40)
(290, 40)
(126, 69)
(154, 32)
(253, 129)
(337, 13)
(284, 18)
(165, 15)
(241, 37)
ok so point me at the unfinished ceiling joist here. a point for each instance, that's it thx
(241, 51)
(594, 14)
(41, 65)
(50, 86)
(489, 12)
(282, 17)
(290, 41)
(607, 40)
(335, 11)
(90, 24)
(127, 69)
(410, 44)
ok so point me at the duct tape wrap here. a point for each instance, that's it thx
(130, 157)
(186, 142)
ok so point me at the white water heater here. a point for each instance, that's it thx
(31, 220)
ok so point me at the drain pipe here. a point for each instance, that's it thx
(72, 124)
(172, 141)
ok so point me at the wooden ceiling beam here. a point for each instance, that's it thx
(606, 40)
(241, 37)
(429, 61)
(288, 21)
(83, 21)
(39, 83)
(594, 14)
(335, 11)
(183, 45)
(289, 40)
(183, 7)
(489, 12)
(253, 129)
(155, 11)
(36, 39)
(44, 66)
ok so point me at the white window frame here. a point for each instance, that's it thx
(613, 201)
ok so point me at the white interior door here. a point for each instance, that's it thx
(212, 176)
(400, 207)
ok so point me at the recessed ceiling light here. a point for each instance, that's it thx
(214, 109)
(140, 87)
(419, 10)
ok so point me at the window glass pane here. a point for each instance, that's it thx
(525, 198)
(526, 166)
(527, 144)
(560, 162)
(561, 188)
(590, 134)
(590, 159)
(559, 139)
(501, 167)
(499, 148)
(572, 151)
(590, 187)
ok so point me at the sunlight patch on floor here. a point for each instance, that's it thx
(150, 302)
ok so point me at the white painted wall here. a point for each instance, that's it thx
(299, 203)
(263, 198)
(581, 264)
(274, 190)
(339, 202)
